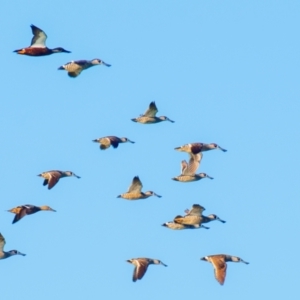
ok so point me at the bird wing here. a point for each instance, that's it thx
(136, 185)
(74, 73)
(140, 269)
(22, 213)
(220, 267)
(184, 166)
(151, 111)
(114, 141)
(193, 164)
(104, 143)
(196, 210)
(39, 37)
(2, 242)
(54, 178)
(196, 147)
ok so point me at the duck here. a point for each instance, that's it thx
(52, 177)
(149, 117)
(177, 226)
(135, 191)
(188, 170)
(4, 254)
(219, 263)
(28, 209)
(114, 141)
(75, 67)
(198, 147)
(141, 265)
(194, 216)
(38, 46)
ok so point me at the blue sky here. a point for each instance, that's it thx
(226, 72)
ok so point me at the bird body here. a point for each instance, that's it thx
(37, 46)
(194, 216)
(198, 147)
(74, 68)
(52, 177)
(141, 265)
(219, 263)
(4, 254)
(188, 170)
(28, 209)
(114, 141)
(177, 226)
(135, 191)
(149, 117)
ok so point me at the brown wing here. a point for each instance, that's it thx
(184, 166)
(194, 163)
(220, 267)
(196, 210)
(2, 242)
(140, 270)
(22, 213)
(136, 185)
(74, 73)
(151, 111)
(196, 148)
(54, 178)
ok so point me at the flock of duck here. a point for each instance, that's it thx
(193, 218)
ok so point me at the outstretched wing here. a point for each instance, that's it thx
(39, 37)
(220, 267)
(193, 164)
(140, 269)
(2, 242)
(136, 185)
(151, 111)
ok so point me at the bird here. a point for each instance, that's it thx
(135, 191)
(219, 263)
(188, 170)
(149, 117)
(198, 147)
(28, 209)
(177, 226)
(194, 216)
(4, 254)
(74, 68)
(141, 265)
(107, 141)
(52, 177)
(37, 46)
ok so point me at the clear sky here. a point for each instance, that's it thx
(226, 72)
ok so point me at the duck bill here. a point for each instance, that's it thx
(105, 64)
(244, 262)
(209, 177)
(40, 175)
(76, 176)
(132, 142)
(178, 149)
(157, 195)
(163, 264)
(221, 220)
(95, 141)
(203, 258)
(19, 253)
(222, 149)
(170, 120)
(51, 209)
(66, 51)
(119, 196)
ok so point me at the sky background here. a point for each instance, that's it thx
(226, 72)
